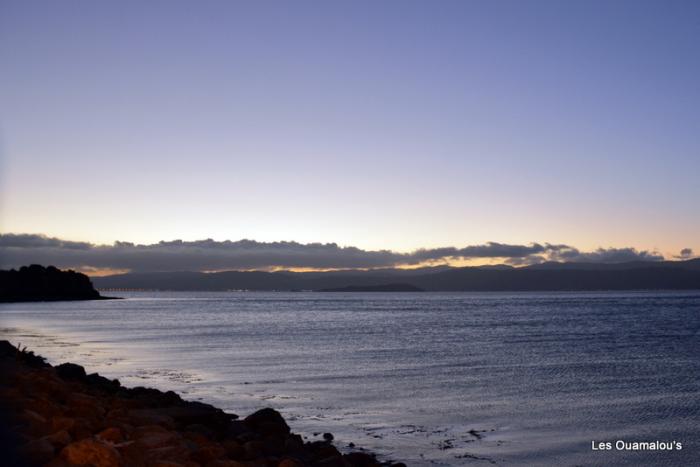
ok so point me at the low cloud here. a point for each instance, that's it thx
(606, 255)
(39, 241)
(686, 253)
(208, 255)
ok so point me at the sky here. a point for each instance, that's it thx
(381, 125)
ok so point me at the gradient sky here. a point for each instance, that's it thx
(379, 124)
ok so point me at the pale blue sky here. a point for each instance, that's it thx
(380, 124)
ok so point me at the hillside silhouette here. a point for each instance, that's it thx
(670, 275)
(39, 283)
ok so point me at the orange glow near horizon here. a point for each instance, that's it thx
(452, 262)
(100, 272)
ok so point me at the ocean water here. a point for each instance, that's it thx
(426, 378)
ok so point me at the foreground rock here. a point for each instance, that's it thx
(61, 416)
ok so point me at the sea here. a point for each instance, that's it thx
(429, 379)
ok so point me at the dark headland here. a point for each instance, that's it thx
(37, 283)
(60, 416)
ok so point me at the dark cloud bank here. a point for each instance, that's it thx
(209, 255)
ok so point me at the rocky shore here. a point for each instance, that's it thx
(60, 416)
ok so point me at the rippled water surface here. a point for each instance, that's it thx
(430, 379)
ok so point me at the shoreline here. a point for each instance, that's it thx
(61, 416)
(57, 299)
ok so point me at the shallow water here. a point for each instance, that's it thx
(427, 378)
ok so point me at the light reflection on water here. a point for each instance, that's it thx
(431, 379)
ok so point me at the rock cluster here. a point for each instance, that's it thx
(60, 416)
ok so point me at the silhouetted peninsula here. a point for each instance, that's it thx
(37, 283)
(375, 288)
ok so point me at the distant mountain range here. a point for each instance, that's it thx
(641, 275)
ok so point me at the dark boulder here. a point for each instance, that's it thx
(267, 422)
(236, 428)
(105, 384)
(360, 459)
(71, 371)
